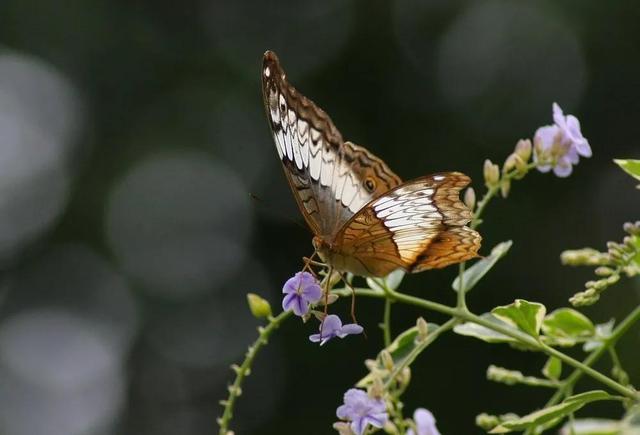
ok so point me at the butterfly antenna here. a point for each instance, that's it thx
(260, 201)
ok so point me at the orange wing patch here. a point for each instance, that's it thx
(418, 225)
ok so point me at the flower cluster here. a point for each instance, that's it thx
(559, 146)
(620, 258)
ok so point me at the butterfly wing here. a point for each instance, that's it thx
(331, 179)
(416, 226)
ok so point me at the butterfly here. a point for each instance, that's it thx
(365, 220)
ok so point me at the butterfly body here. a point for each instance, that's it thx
(365, 220)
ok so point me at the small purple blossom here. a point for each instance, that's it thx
(560, 144)
(301, 290)
(362, 410)
(425, 423)
(332, 327)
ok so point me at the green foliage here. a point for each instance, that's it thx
(483, 333)
(552, 368)
(389, 282)
(537, 418)
(631, 167)
(566, 327)
(593, 426)
(526, 316)
(475, 273)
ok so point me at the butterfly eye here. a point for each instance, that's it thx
(370, 184)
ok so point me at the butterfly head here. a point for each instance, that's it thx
(322, 248)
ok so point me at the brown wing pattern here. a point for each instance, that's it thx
(331, 179)
(418, 225)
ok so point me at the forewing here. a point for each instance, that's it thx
(331, 179)
(418, 225)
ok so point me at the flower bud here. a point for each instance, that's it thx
(509, 163)
(404, 377)
(343, 428)
(491, 173)
(371, 364)
(260, 307)
(603, 271)
(376, 390)
(499, 374)
(391, 428)
(387, 359)
(523, 149)
(423, 328)
(330, 299)
(470, 198)
(486, 421)
(505, 187)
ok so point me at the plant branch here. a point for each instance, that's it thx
(243, 370)
(617, 333)
(386, 323)
(518, 335)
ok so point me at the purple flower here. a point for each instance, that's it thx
(301, 290)
(332, 327)
(362, 410)
(425, 423)
(560, 145)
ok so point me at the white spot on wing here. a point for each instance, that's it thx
(328, 163)
(438, 177)
(287, 141)
(303, 139)
(267, 72)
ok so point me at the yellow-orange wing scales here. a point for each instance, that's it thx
(418, 225)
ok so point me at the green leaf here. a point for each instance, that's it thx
(631, 167)
(552, 369)
(526, 316)
(570, 404)
(474, 274)
(391, 281)
(566, 326)
(603, 332)
(592, 426)
(485, 334)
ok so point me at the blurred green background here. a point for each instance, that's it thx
(132, 143)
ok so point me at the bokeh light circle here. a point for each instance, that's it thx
(40, 119)
(179, 223)
(505, 63)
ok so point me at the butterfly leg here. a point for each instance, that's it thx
(353, 297)
(308, 262)
(327, 289)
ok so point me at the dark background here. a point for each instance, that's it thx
(132, 138)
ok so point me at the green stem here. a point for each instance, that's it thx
(243, 371)
(518, 335)
(418, 349)
(491, 192)
(617, 333)
(386, 323)
(462, 291)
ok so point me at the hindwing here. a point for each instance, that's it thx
(416, 226)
